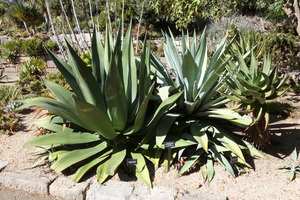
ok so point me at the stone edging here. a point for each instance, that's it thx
(35, 181)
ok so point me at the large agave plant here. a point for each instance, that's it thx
(251, 85)
(199, 121)
(109, 110)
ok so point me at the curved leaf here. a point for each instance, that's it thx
(95, 119)
(76, 156)
(63, 139)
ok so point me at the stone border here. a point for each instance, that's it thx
(35, 181)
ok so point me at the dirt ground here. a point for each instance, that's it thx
(264, 181)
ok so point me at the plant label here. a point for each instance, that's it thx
(233, 160)
(169, 144)
(131, 162)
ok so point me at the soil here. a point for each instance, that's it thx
(264, 181)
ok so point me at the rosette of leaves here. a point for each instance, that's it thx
(199, 122)
(291, 168)
(250, 86)
(243, 43)
(110, 108)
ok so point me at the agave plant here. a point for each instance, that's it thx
(251, 86)
(199, 121)
(111, 108)
(243, 43)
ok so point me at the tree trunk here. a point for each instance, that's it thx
(26, 27)
(116, 15)
(69, 25)
(137, 34)
(78, 27)
(91, 13)
(54, 32)
(122, 35)
(108, 16)
(297, 15)
(86, 18)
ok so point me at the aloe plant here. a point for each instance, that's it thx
(111, 109)
(198, 122)
(243, 43)
(251, 86)
(291, 168)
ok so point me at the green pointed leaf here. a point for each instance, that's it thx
(200, 135)
(62, 94)
(98, 67)
(163, 128)
(191, 160)
(163, 107)
(115, 98)
(115, 160)
(53, 124)
(54, 107)
(85, 79)
(141, 170)
(76, 156)
(67, 72)
(222, 160)
(140, 116)
(95, 119)
(63, 139)
(210, 169)
(85, 168)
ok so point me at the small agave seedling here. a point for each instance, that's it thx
(291, 168)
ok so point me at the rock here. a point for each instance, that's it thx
(196, 195)
(111, 190)
(65, 187)
(3, 164)
(32, 181)
(146, 193)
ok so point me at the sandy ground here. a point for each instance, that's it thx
(264, 181)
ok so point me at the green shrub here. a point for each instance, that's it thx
(111, 108)
(9, 93)
(30, 74)
(51, 45)
(251, 84)
(198, 123)
(9, 123)
(57, 78)
(32, 48)
(285, 49)
(11, 50)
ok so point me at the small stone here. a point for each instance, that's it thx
(196, 195)
(3, 164)
(111, 190)
(146, 193)
(31, 181)
(65, 187)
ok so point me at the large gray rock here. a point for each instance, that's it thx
(3, 164)
(111, 190)
(66, 188)
(32, 181)
(196, 195)
(146, 193)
